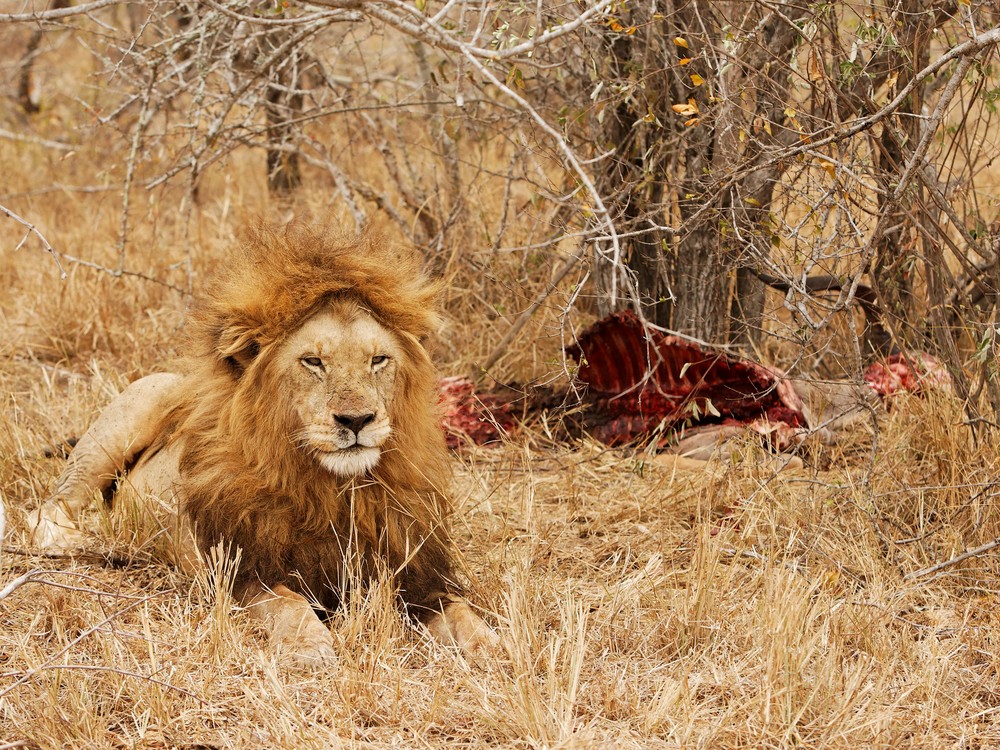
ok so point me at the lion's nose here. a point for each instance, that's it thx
(354, 422)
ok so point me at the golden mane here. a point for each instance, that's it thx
(279, 277)
(246, 483)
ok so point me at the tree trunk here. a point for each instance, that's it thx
(27, 93)
(282, 106)
(895, 255)
(283, 103)
(675, 148)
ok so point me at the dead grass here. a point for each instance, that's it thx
(639, 606)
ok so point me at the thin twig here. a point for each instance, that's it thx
(85, 634)
(123, 673)
(55, 14)
(953, 561)
(59, 187)
(58, 145)
(32, 229)
(260, 20)
(107, 560)
(419, 26)
(20, 581)
(119, 273)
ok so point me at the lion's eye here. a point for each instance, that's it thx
(312, 362)
(379, 360)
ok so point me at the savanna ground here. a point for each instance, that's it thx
(640, 605)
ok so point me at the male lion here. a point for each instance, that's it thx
(303, 435)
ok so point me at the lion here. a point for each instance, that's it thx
(303, 438)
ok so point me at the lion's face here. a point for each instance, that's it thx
(339, 372)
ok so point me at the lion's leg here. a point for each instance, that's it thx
(293, 625)
(456, 624)
(124, 429)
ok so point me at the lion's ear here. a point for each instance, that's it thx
(236, 347)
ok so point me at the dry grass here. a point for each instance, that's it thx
(639, 606)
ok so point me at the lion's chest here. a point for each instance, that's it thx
(321, 553)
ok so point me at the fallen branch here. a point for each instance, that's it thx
(953, 561)
(107, 560)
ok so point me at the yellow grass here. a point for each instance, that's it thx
(641, 603)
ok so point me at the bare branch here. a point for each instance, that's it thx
(58, 13)
(21, 137)
(33, 230)
(414, 23)
(326, 16)
(977, 44)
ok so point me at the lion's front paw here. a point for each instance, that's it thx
(296, 632)
(483, 640)
(312, 650)
(302, 638)
(53, 529)
(460, 626)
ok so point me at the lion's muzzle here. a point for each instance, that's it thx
(354, 422)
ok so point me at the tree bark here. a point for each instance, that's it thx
(671, 167)
(895, 257)
(283, 102)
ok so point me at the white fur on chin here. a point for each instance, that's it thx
(350, 462)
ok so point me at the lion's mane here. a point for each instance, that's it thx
(248, 486)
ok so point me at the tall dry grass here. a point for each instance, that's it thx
(639, 605)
